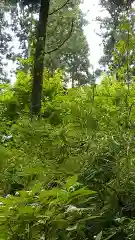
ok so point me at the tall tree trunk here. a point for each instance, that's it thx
(73, 84)
(39, 58)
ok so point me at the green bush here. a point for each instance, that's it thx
(84, 133)
(46, 214)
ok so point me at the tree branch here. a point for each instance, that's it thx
(66, 39)
(57, 9)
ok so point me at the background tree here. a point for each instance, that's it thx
(72, 56)
(110, 27)
(56, 12)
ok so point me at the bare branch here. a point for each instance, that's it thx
(66, 39)
(57, 9)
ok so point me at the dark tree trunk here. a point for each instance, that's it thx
(39, 58)
(73, 85)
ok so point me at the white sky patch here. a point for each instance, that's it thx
(93, 10)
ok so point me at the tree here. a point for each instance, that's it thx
(40, 49)
(39, 58)
(123, 55)
(72, 56)
(39, 52)
(110, 26)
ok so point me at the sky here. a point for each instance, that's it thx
(93, 10)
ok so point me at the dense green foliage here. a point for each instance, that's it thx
(110, 26)
(70, 172)
(69, 175)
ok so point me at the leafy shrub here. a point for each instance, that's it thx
(48, 214)
(79, 133)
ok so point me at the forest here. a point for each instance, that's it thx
(67, 143)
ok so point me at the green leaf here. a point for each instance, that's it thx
(88, 218)
(110, 236)
(72, 228)
(71, 181)
(82, 192)
(99, 236)
(36, 188)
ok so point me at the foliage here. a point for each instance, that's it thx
(72, 57)
(79, 133)
(40, 213)
(111, 26)
(123, 54)
(70, 174)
